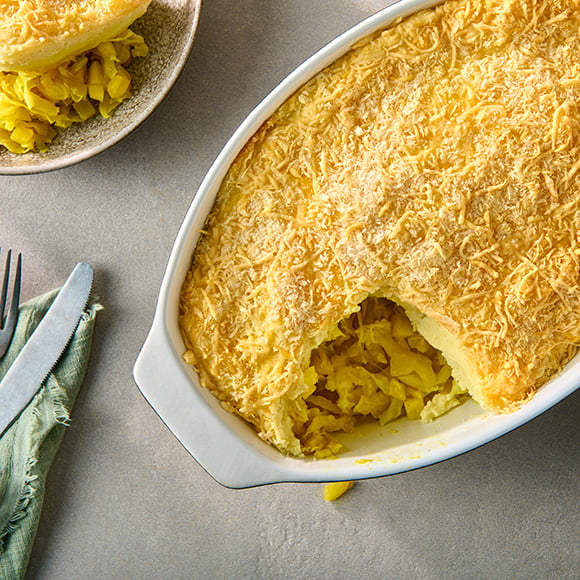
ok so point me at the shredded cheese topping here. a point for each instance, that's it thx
(437, 163)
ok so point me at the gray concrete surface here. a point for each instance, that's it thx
(124, 499)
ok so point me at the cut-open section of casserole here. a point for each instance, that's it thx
(431, 172)
(373, 366)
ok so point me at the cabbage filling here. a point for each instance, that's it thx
(33, 105)
(375, 366)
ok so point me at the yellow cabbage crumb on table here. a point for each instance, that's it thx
(332, 491)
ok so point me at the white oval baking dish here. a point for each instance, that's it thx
(227, 447)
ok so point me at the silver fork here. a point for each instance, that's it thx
(8, 321)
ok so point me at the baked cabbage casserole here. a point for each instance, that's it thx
(402, 233)
(63, 63)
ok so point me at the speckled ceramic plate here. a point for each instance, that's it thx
(168, 27)
(225, 445)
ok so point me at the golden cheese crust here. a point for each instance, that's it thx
(438, 162)
(37, 34)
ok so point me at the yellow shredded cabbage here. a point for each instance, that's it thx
(376, 367)
(34, 105)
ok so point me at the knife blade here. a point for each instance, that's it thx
(45, 346)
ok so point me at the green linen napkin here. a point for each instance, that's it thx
(29, 446)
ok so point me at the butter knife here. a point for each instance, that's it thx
(43, 349)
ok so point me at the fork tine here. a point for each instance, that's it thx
(4, 295)
(8, 323)
(13, 312)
